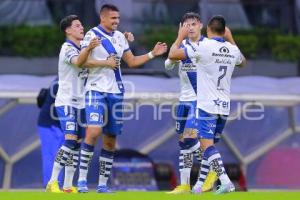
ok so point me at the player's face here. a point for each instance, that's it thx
(110, 20)
(76, 30)
(195, 27)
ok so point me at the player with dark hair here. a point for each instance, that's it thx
(104, 96)
(215, 60)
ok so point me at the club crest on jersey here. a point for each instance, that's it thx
(113, 40)
(70, 126)
(94, 117)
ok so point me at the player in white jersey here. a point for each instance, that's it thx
(69, 102)
(215, 60)
(104, 96)
(185, 111)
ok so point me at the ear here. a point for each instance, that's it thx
(67, 31)
(201, 25)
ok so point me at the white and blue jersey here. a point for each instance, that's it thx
(104, 87)
(105, 79)
(215, 60)
(187, 72)
(69, 100)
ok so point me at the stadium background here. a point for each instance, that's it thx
(266, 150)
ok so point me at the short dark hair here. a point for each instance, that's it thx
(107, 7)
(217, 24)
(190, 15)
(67, 22)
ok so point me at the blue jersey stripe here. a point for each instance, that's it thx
(111, 51)
(193, 80)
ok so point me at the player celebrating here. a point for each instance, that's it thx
(104, 94)
(215, 60)
(186, 109)
(69, 101)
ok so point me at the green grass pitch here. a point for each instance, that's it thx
(150, 196)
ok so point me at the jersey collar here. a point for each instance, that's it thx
(73, 44)
(200, 39)
(219, 39)
(104, 31)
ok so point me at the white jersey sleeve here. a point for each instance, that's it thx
(87, 39)
(170, 64)
(240, 56)
(69, 53)
(126, 45)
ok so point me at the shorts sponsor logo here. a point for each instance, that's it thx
(94, 117)
(70, 126)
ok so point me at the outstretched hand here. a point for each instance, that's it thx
(159, 49)
(129, 36)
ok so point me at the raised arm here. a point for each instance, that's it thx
(229, 38)
(135, 61)
(175, 52)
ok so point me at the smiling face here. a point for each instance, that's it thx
(76, 30)
(110, 20)
(194, 27)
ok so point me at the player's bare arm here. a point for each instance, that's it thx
(228, 36)
(135, 61)
(175, 52)
(111, 62)
(84, 53)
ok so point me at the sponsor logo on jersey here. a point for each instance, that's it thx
(188, 67)
(70, 126)
(223, 61)
(224, 50)
(218, 102)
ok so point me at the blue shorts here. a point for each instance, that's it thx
(105, 110)
(72, 120)
(209, 126)
(185, 115)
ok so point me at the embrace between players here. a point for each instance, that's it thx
(90, 95)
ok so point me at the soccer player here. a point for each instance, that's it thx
(69, 101)
(185, 111)
(104, 95)
(215, 60)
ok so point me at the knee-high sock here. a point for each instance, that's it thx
(216, 163)
(70, 168)
(105, 163)
(86, 155)
(63, 155)
(185, 164)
